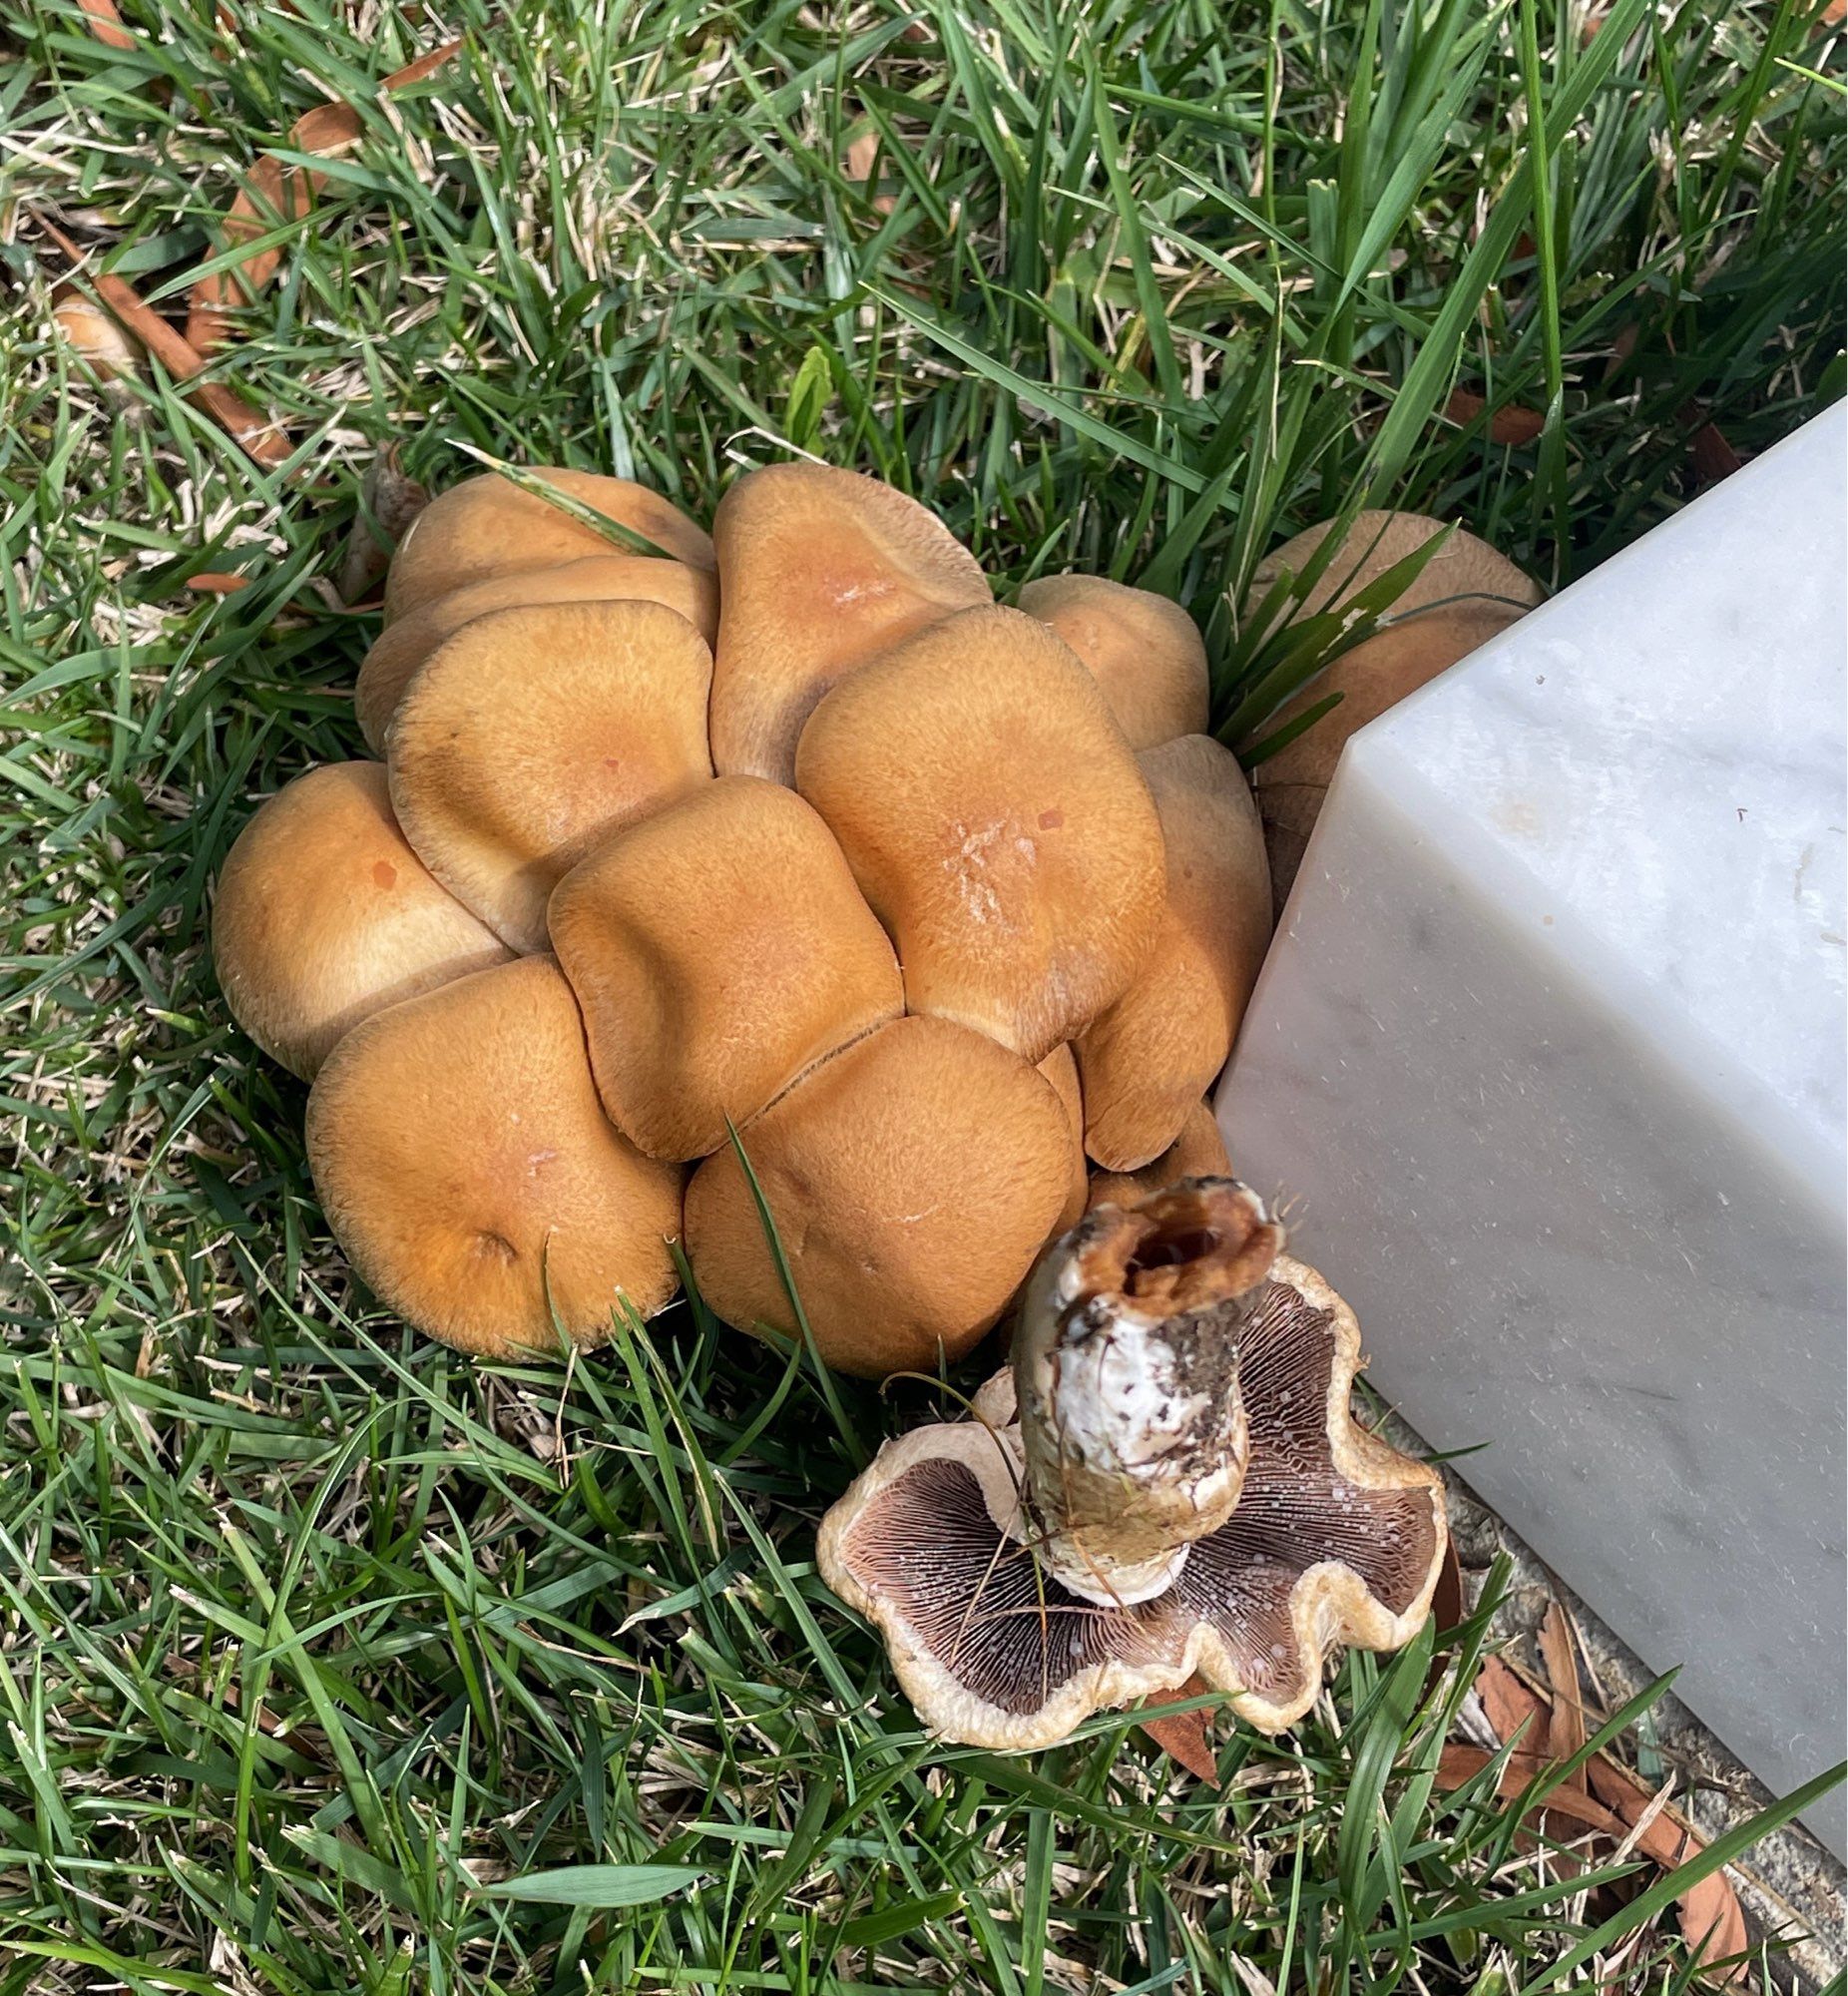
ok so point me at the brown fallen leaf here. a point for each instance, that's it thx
(273, 194)
(1710, 1912)
(91, 332)
(1509, 424)
(259, 433)
(1604, 1797)
(106, 24)
(1183, 1735)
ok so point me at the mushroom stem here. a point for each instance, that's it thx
(1126, 1366)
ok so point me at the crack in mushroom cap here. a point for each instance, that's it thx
(398, 651)
(1338, 1539)
(489, 526)
(1143, 651)
(1197, 1153)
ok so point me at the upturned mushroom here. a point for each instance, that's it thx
(403, 646)
(324, 915)
(997, 822)
(1197, 1153)
(1464, 596)
(489, 526)
(467, 1169)
(1143, 651)
(819, 568)
(718, 948)
(1146, 1060)
(912, 1176)
(1169, 1482)
(529, 735)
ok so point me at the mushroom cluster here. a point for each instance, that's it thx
(784, 872)
(792, 831)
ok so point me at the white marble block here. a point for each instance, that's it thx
(1549, 1054)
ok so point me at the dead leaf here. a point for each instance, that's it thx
(89, 331)
(1607, 1797)
(1185, 1735)
(863, 156)
(1560, 1654)
(1509, 424)
(260, 434)
(106, 24)
(275, 194)
(391, 501)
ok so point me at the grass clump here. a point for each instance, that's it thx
(335, 1662)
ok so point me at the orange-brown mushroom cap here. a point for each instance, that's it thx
(324, 915)
(1464, 569)
(490, 526)
(531, 734)
(913, 1177)
(1147, 1059)
(997, 822)
(1378, 672)
(466, 1168)
(1197, 1153)
(1336, 1539)
(718, 947)
(403, 646)
(820, 569)
(1143, 651)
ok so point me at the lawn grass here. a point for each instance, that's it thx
(319, 1642)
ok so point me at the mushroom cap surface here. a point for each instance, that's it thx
(1143, 651)
(1336, 1539)
(464, 1162)
(1147, 1059)
(323, 916)
(1060, 1067)
(913, 1177)
(820, 569)
(1197, 1153)
(718, 947)
(531, 734)
(1465, 567)
(488, 525)
(403, 646)
(1377, 674)
(997, 822)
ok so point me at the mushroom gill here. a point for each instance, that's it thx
(1334, 1538)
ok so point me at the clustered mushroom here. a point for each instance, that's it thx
(786, 869)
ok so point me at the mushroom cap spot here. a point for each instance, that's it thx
(531, 734)
(464, 1162)
(1463, 568)
(1197, 1153)
(403, 646)
(1060, 1067)
(718, 947)
(1336, 1539)
(488, 526)
(1146, 1061)
(324, 915)
(1143, 651)
(1377, 674)
(820, 569)
(913, 1177)
(997, 822)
